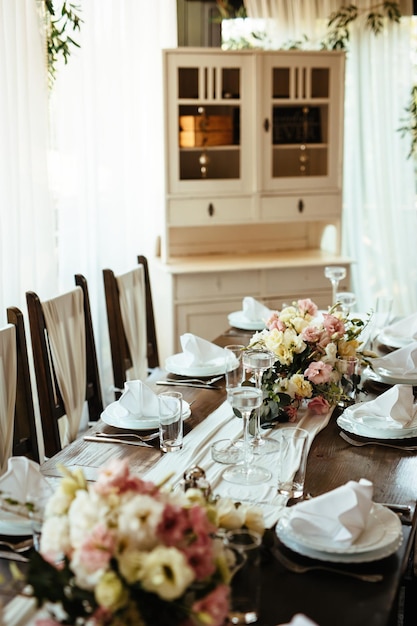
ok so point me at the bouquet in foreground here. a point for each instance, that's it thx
(308, 347)
(124, 551)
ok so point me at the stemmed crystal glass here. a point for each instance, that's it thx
(346, 299)
(335, 274)
(258, 362)
(246, 399)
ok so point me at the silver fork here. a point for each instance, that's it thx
(296, 568)
(133, 435)
(20, 546)
(359, 444)
(206, 381)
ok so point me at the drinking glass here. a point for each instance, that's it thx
(170, 421)
(244, 559)
(234, 377)
(347, 300)
(349, 379)
(245, 400)
(335, 274)
(293, 462)
(257, 362)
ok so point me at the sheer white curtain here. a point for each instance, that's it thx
(108, 156)
(379, 216)
(27, 237)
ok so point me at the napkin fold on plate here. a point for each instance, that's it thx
(339, 515)
(138, 400)
(405, 327)
(198, 351)
(24, 481)
(402, 362)
(255, 311)
(395, 408)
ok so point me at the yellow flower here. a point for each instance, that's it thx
(299, 386)
(72, 481)
(166, 573)
(348, 348)
(110, 592)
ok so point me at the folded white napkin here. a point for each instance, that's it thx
(405, 327)
(300, 620)
(339, 515)
(199, 351)
(394, 408)
(24, 481)
(254, 310)
(138, 400)
(402, 362)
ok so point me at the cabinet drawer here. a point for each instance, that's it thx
(300, 207)
(301, 280)
(206, 211)
(202, 287)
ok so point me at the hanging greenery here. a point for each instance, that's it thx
(230, 9)
(59, 25)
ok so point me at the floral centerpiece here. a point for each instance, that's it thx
(125, 551)
(307, 347)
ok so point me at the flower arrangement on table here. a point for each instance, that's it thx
(124, 551)
(307, 348)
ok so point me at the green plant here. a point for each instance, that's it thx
(58, 40)
(229, 9)
(410, 122)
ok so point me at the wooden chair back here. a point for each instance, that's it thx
(25, 439)
(120, 352)
(50, 399)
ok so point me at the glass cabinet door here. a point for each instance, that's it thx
(300, 137)
(206, 127)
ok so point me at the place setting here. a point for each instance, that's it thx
(399, 334)
(200, 359)
(252, 316)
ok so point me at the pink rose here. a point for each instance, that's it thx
(307, 306)
(98, 548)
(275, 322)
(215, 605)
(319, 405)
(116, 478)
(318, 372)
(173, 525)
(333, 325)
(200, 558)
(311, 334)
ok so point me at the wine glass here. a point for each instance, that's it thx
(245, 399)
(258, 362)
(346, 299)
(335, 274)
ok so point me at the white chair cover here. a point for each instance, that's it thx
(8, 383)
(64, 319)
(133, 308)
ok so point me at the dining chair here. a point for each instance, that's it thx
(65, 360)
(131, 324)
(18, 434)
(25, 436)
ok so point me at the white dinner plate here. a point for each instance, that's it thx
(116, 415)
(14, 525)
(176, 365)
(239, 320)
(381, 538)
(382, 375)
(394, 341)
(351, 425)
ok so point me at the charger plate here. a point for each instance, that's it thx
(239, 320)
(381, 538)
(394, 341)
(116, 415)
(382, 375)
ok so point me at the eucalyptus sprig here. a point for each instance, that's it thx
(58, 26)
(410, 122)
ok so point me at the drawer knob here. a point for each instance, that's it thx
(211, 209)
(266, 124)
(300, 206)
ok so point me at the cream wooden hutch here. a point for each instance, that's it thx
(254, 147)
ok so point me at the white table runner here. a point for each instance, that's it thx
(223, 424)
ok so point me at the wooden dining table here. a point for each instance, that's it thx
(326, 597)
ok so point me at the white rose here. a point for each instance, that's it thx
(254, 519)
(166, 573)
(84, 576)
(58, 503)
(55, 539)
(138, 520)
(228, 515)
(131, 565)
(84, 513)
